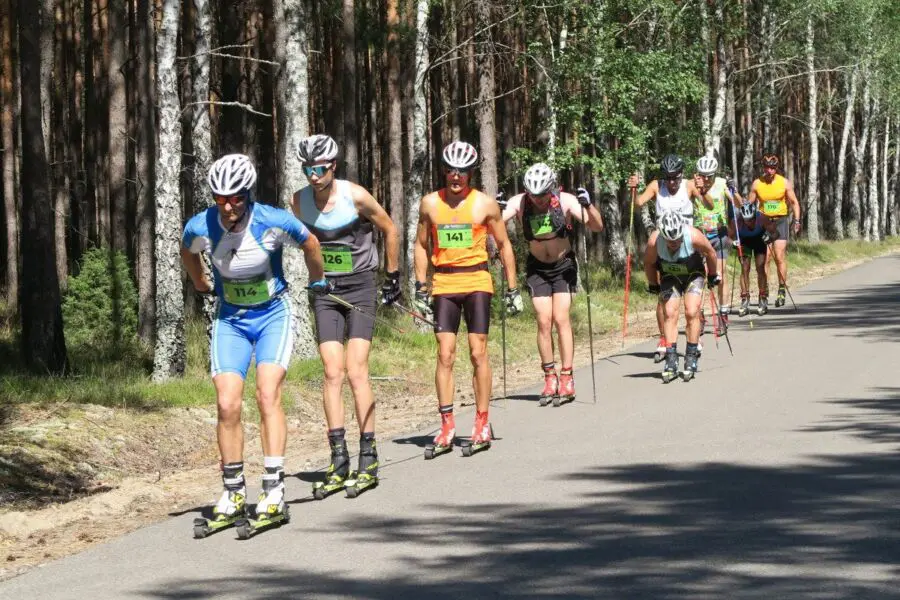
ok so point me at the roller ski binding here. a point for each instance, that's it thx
(551, 389)
(670, 370)
(336, 475)
(482, 434)
(367, 476)
(722, 325)
(690, 364)
(271, 511)
(443, 443)
(780, 298)
(660, 350)
(230, 509)
(763, 306)
(566, 391)
(745, 306)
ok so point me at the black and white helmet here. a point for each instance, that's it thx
(317, 148)
(707, 165)
(538, 179)
(671, 225)
(232, 174)
(748, 209)
(460, 155)
(671, 165)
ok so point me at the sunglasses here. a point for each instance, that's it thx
(455, 171)
(675, 178)
(318, 170)
(232, 200)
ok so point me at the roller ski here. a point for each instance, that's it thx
(271, 511)
(337, 473)
(443, 443)
(670, 370)
(482, 434)
(763, 306)
(780, 298)
(660, 354)
(744, 310)
(366, 477)
(566, 392)
(690, 364)
(230, 509)
(550, 392)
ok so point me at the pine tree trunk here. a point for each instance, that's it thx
(349, 87)
(838, 204)
(169, 356)
(146, 178)
(395, 123)
(812, 193)
(118, 125)
(7, 109)
(419, 157)
(61, 123)
(292, 95)
(43, 341)
(485, 108)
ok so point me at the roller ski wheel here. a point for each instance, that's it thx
(670, 371)
(763, 307)
(470, 448)
(443, 443)
(744, 310)
(660, 354)
(550, 392)
(780, 298)
(357, 484)
(690, 366)
(566, 390)
(478, 443)
(247, 528)
(323, 489)
(435, 450)
(230, 509)
(206, 527)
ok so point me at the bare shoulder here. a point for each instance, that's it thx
(485, 207)
(427, 204)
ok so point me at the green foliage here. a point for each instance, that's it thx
(100, 306)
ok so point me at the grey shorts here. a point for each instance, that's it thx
(337, 323)
(720, 244)
(676, 287)
(780, 225)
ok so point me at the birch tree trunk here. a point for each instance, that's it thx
(812, 193)
(418, 160)
(292, 96)
(348, 76)
(169, 355)
(484, 113)
(859, 152)
(885, 197)
(748, 129)
(838, 203)
(145, 156)
(395, 122)
(871, 221)
(895, 182)
(43, 344)
(201, 132)
(7, 109)
(118, 125)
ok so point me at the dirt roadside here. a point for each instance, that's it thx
(130, 463)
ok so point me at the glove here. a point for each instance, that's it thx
(768, 238)
(729, 183)
(514, 304)
(713, 280)
(422, 300)
(323, 287)
(654, 288)
(501, 200)
(390, 289)
(584, 198)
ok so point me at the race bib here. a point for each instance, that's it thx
(541, 224)
(246, 292)
(338, 259)
(455, 236)
(677, 269)
(772, 206)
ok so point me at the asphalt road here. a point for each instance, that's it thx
(774, 474)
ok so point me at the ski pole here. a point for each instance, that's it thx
(629, 246)
(413, 314)
(587, 292)
(375, 318)
(503, 331)
(727, 339)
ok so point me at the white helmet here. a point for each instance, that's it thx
(707, 165)
(538, 179)
(232, 174)
(460, 155)
(317, 148)
(671, 225)
(748, 209)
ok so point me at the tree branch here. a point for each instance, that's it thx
(246, 107)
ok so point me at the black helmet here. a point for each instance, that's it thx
(672, 165)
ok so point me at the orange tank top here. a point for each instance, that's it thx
(772, 197)
(459, 249)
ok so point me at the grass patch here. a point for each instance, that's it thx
(120, 377)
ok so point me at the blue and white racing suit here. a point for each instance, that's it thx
(253, 309)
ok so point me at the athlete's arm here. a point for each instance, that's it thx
(368, 207)
(420, 248)
(195, 240)
(650, 258)
(573, 207)
(792, 199)
(751, 197)
(694, 192)
(194, 268)
(648, 194)
(493, 220)
(512, 207)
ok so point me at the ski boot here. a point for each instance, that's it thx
(566, 388)
(780, 298)
(551, 389)
(482, 434)
(367, 475)
(722, 325)
(690, 364)
(271, 511)
(763, 306)
(443, 443)
(745, 306)
(670, 370)
(230, 509)
(660, 350)
(336, 475)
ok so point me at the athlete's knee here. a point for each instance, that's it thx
(334, 372)
(268, 399)
(229, 410)
(691, 310)
(446, 357)
(478, 356)
(358, 374)
(561, 320)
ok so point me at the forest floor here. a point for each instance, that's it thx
(98, 471)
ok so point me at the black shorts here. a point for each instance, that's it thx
(475, 306)
(545, 279)
(676, 287)
(753, 245)
(337, 323)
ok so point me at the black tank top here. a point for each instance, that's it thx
(553, 221)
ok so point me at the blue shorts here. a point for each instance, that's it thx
(238, 331)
